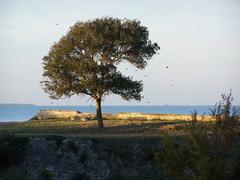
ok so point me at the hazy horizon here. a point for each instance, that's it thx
(115, 105)
(199, 43)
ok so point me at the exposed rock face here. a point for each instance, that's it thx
(66, 159)
(76, 115)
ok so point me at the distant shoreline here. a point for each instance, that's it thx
(20, 113)
(143, 105)
(15, 104)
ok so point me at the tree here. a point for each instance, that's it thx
(84, 61)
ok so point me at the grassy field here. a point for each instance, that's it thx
(113, 128)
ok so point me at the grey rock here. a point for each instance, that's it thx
(75, 158)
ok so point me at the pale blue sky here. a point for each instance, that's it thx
(199, 40)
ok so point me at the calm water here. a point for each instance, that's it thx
(25, 112)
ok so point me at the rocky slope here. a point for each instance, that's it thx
(96, 159)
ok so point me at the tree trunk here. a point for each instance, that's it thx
(99, 113)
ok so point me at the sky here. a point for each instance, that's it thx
(199, 40)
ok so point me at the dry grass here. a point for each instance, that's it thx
(113, 128)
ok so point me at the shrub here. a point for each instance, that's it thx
(208, 150)
(46, 175)
(12, 150)
(13, 174)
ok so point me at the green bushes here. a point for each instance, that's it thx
(207, 150)
(13, 173)
(46, 175)
(12, 150)
(12, 153)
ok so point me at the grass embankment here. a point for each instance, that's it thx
(113, 128)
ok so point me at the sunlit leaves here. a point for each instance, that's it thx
(85, 60)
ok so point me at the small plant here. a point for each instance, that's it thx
(194, 117)
(226, 120)
(224, 133)
(46, 175)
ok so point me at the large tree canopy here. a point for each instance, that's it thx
(85, 60)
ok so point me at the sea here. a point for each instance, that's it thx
(19, 112)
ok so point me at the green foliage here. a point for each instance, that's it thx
(13, 173)
(226, 121)
(12, 150)
(208, 151)
(46, 175)
(12, 153)
(85, 60)
(175, 157)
